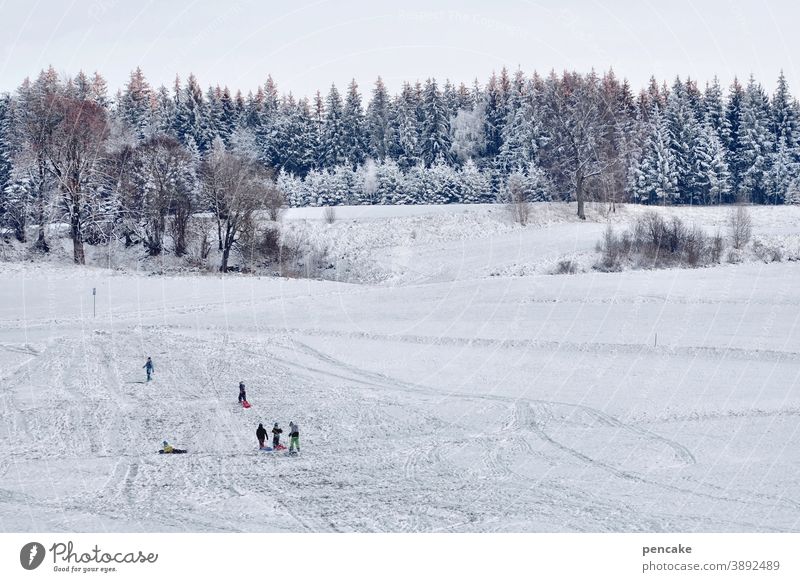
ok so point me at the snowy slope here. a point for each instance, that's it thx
(440, 397)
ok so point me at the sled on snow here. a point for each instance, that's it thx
(245, 404)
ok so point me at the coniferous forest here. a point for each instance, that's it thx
(137, 165)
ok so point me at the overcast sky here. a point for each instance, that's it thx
(307, 45)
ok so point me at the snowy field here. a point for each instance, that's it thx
(458, 386)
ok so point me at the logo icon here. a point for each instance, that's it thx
(31, 555)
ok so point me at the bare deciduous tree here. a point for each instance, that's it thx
(234, 188)
(74, 150)
(162, 183)
(577, 122)
(275, 201)
(741, 227)
(518, 204)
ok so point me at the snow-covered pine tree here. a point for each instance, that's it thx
(228, 115)
(253, 109)
(435, 134)
(521, 130)
(136, 105)
(494, 111)
(474, 185)
(656, 178)
(191, 116)
(404, 128)
(163, 115)
(732, 135)
(711, 178)
(467, 136)
(333, 146)
(353, 127)
(99, 90)
(390, 183)
(684, 129)
(757, 144)
(784, 117)
(443, 185)
(316, 132)
(294, 189)
(783, 174)
(6, 150)
(377, 122)
(316, 183)
(714, 109)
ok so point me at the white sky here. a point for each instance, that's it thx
(306, 44)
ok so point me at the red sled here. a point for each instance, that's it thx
(280, 448)
(245, 404)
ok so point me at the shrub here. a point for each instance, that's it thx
(655, 242)
(565, 267)
(767, 253)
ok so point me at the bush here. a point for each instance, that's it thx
(611, 248)
(565, 267)
(329, 214)
(767, 253)
(717, 245)
(655, 242)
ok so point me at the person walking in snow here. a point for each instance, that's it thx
(276, 436)
(294, 434)
(242, 393)
(261, 435)
(149, 367)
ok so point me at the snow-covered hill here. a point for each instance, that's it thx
(438, 394)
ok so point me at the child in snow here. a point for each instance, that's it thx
(261, 435)
(242, 393)
(149, 367)
(294, 433)
(168, 448)
(276, 436)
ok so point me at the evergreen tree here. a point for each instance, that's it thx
(684, 129)
(475, 187)
(405, 131)
(656, 177)
(521, 131)
(784, 117)
(756, 142)
(191, 116)
(334, 148)
(783, 174)
(390, 183)
(731, 135)
(494, 112)
(714, 109)
(377, 122)
(435, 135)
(136, 105)
(354, 134)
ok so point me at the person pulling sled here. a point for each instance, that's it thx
(261, 435)
(276, 436)
(242, 393)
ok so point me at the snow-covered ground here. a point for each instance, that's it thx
(459, 386)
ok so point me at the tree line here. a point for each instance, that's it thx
(139, 165)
